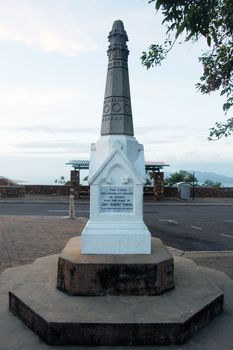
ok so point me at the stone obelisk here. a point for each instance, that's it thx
(117, 114)
(117, 169)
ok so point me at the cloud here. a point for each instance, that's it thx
(39, 98)
(48, 28)
(69, 153)
(153, 135)
(47, 129)
(52, 148)
(53, 145)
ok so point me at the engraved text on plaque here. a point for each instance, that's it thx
(116, 199)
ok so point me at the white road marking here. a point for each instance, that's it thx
(169, 220)
(66, 211)
(196, 227)
(223, 234)
(58, 210)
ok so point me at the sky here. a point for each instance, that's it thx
(53, 65)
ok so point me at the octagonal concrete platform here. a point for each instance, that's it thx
(115, 274)
(59, 319)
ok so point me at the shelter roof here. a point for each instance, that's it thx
(84, 164)
(155, 166)
(79, 164)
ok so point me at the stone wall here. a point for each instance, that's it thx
(169, 192)
(57, 190)
(48, 189)
(213, 192)
(54, 190)
(12, 191)
(199, 192)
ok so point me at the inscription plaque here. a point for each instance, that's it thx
(116, 199)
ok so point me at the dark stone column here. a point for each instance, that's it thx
(158, 185)
(117, 113)
(75, 182)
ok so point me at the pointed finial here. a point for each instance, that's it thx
(118, 25)
(118, 35)
(118, 28)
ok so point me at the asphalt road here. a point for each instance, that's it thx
(205, 228)
(182, 227)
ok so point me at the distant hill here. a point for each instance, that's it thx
(6, 182)
(202, 176)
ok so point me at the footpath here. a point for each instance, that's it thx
(25, 238)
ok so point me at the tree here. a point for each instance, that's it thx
(181, 176)
(149, 178)
(62, 181)
(210, 183)
(213, 21)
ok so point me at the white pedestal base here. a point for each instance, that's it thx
(115, 238)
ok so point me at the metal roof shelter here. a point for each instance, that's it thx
(84, 164)
(155, 166)
(79, 164)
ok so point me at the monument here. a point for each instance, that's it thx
(116, 228)
(117, 167)
(115, 283)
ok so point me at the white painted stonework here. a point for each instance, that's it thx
(116, 177)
